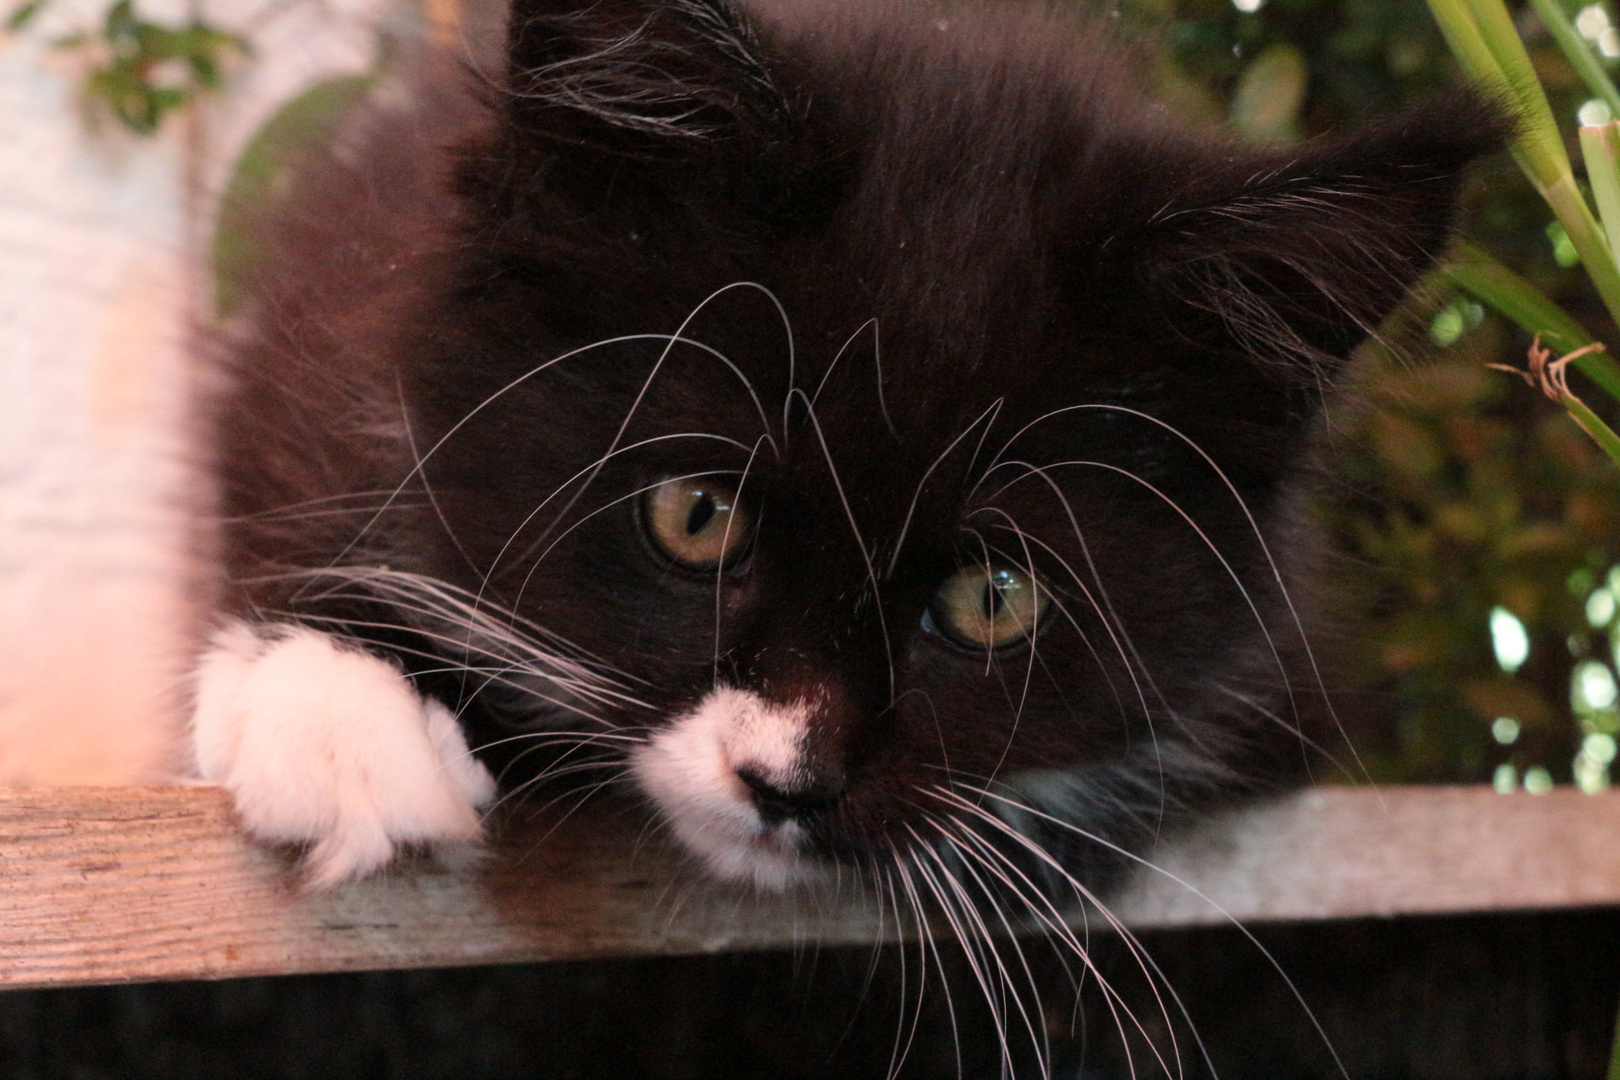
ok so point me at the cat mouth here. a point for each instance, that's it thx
(772, 857)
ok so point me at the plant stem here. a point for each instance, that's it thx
(1601, 434)
(1486, 44)
(1600, 149)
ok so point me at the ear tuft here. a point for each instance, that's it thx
(1296, 260)
(636, 78)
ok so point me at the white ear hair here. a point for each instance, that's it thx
(321, 743)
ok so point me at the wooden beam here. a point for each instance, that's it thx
(120, 884)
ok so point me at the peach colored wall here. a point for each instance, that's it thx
(98, 275)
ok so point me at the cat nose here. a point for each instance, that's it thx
(802, 799)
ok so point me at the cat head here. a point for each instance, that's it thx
(902, 411)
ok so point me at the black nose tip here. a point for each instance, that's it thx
(800, 800)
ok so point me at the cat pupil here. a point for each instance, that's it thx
(703, 511)
(993, 601)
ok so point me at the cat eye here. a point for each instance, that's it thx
(697, 522)
(986, 607)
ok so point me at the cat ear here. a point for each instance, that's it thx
(639, 79)
(629, 107)
(1297, 259)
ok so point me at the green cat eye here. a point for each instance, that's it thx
(987, 607)
(697, 522)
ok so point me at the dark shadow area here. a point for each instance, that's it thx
(1475, 998)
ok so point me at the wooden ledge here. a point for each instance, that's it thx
(122, 884)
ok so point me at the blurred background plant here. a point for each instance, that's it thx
(138, 70)
(1480, 527)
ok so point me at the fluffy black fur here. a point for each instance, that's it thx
(948, 287)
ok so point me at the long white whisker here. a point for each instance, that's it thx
(1150, 968)
(1034, 1028)
(925, 947)
(1292, 729)
(839, 355)
(1214, 549)
(658, 366)
(427, 488)
(1034, 630)
(493, 676)
(970, 948)
(855, 528)
(480, 407)
(433, 596)
(989, 415)
(719, 570)
(1194, 890)
(1259, 536)
(1056, 598)
(897, 1055)
(1054, 924)
(1118, 635)
(587, 472)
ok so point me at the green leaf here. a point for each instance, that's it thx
(1474, 271)
(261, 174)
(24, 13)
(1600, 149)
(1590, 423)
(1269, 96)
(1487, 45)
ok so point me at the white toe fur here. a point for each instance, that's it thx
(320, 743)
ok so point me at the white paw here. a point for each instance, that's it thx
(320, 743)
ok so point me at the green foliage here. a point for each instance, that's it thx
(1464, 496)
(1464, 493)
(141, 71)
(1363, 57)
(266, 172)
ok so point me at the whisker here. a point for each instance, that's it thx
(427, 488)
(1214, 549)
(455, 428)
(1054, 920)
(1118, 635)
(658, 365)
(899, 1053)
(1029, 668)
(1194, 890)
(1293, 729)
(926, 946)
(854, 527)
(1036, 1030)
(588, 472)
(719, 570)
(970, 948)
(1254, 528)
(989, 415)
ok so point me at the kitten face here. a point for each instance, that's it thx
(989, 376)
(896, 409)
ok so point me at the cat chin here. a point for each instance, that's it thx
(691, 770)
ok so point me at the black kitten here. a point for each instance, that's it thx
(874, 428)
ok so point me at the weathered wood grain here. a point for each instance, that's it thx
(113, 884)
(1344, 853)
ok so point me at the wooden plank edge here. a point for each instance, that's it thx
(123, 884)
